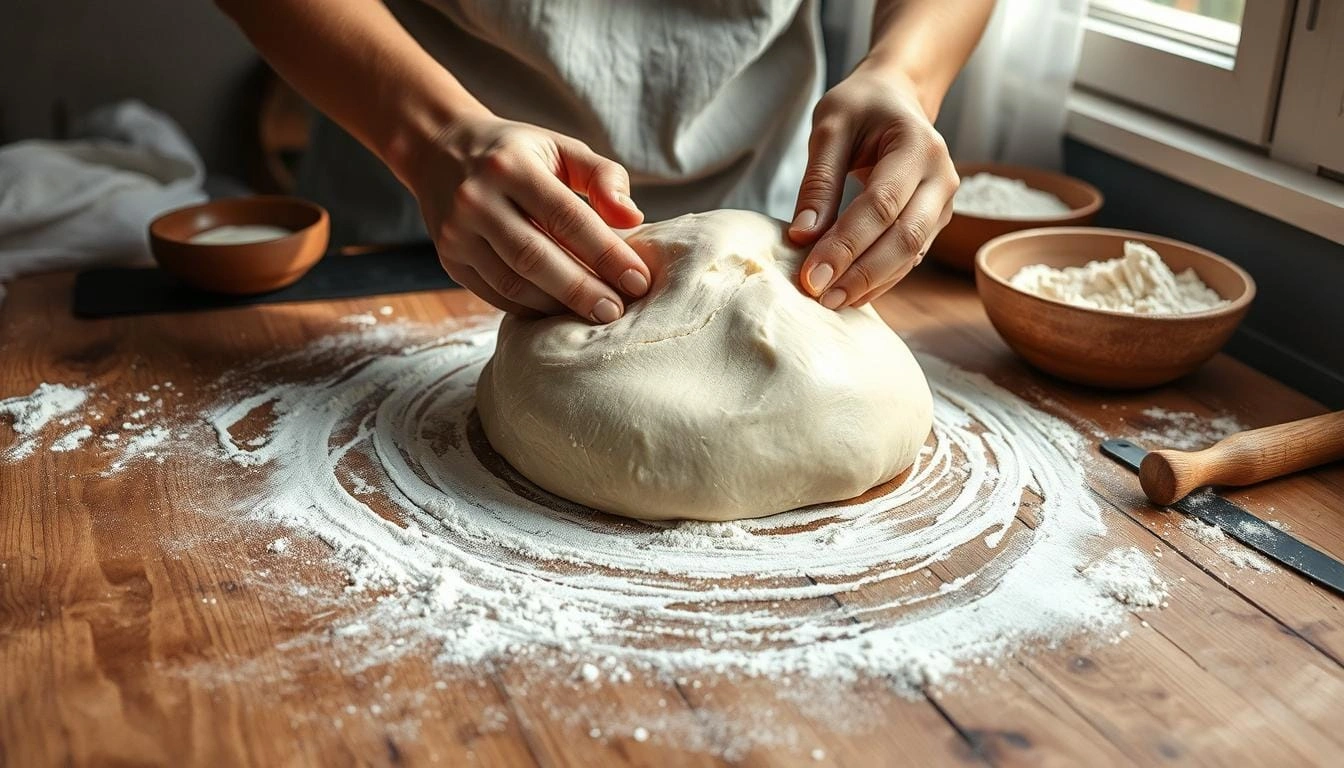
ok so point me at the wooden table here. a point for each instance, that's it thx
(98, 616)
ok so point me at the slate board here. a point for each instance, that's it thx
(114, 291)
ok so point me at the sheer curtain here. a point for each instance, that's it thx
(1008, 103)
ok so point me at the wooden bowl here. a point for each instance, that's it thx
(243, 268)
(1098, 347)
(957, 244)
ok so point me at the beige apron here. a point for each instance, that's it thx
(706, 103)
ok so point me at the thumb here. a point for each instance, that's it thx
(823, 184)
(604, 182)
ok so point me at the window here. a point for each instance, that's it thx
(1215, 63)
(1208, 25)
(1268, 73)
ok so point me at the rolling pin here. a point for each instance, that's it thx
(1247, 457)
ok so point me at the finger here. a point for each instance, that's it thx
(471, 257)
(467, 277)
(945, 217)
(540, 261)
(823, 185)
(896, 252)
(875, 293)
(604, 182)
(579, 230)
(508, 284)
(872, 213)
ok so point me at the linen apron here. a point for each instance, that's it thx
(706, 103)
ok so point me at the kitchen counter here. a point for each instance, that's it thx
(131, 631)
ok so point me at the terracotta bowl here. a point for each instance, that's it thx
(247, 267)
(956, 245)
(1099, 347)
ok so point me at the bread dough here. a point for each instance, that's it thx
(725, 393)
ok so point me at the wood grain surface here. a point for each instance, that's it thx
(134, 629)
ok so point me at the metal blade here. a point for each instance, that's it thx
(1243, 526)
(1125, 452)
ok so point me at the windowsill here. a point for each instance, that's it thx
(1218, 166)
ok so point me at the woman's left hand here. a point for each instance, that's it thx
(873, 125)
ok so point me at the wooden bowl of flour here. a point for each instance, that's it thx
(957, 244)
(1099, 347)
(241, 245)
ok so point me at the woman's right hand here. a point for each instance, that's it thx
(498, 197)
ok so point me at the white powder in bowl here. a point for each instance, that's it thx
(1139, 282)
(985, 194)
(239, 234)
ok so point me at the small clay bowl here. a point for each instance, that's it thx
(957, 244)
(1117, 350)
(242, 268)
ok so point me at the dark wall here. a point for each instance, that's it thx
(183, 57)
(1295, 329)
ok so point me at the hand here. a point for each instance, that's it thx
(873, 125)
(499, 200)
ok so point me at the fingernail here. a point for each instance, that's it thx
(633, 283)
(806, 219)
(819, 277)
(625, 200)
(606, 311)
(833, 299)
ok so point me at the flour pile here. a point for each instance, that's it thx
(997, 197)
(989, 543)
(1138, 283)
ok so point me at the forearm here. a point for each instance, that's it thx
(927, 41)
(354, 61)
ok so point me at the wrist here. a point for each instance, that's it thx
(911, 77)
(422, 128)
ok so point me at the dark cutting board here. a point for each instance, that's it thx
(113, 291)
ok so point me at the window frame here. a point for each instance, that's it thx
(1309, 130)
(1233, 95)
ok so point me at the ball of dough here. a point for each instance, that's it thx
(725, 393)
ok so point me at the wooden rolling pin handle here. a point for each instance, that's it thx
(1247, 457)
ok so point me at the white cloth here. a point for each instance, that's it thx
(707, 103)
(65, 204)
(1008, 103)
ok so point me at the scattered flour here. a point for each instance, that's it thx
(1140, 282)
(987, 195)
(1183, 430)
(1239, 556)
(444, 547)
(1128, 576)
(365, 318)
(142, 445)
(487, 565)
(1244, 558)
(1203, 532)
(72, 440)
(1255, 531)
(30, 414)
